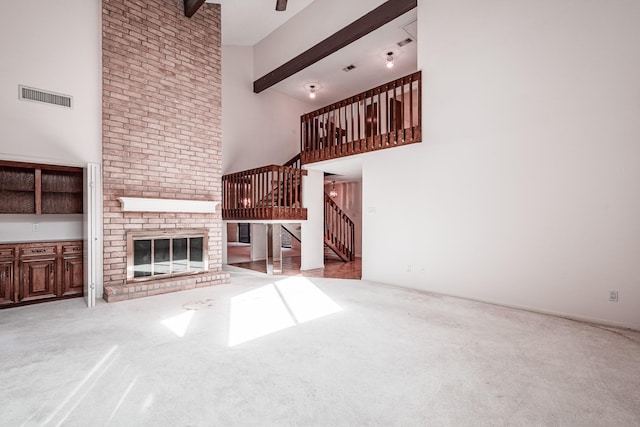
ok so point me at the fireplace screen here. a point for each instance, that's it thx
(166, 253)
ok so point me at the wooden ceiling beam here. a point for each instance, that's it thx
(191, 7)
(386, 12)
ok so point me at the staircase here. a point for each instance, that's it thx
(275, 193)
(339, 236)
(339, 230)
(286, 188)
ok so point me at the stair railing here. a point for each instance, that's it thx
(386, 116)
(294, 162)
(339, 230)
(268, 192)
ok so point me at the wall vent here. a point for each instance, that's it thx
(38, 95)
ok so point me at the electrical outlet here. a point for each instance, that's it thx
(613, 296)
(35, 227)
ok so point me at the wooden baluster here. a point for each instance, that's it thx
(248, 202)
(379, 121)
(316, 133)
(411, 107)
(359, 135)
(394, 131)
(420, 105)
(274, 188)
(353, 123)
(236, 194)
(342, 110)
(368, 101)
(389, 113)
(304, 132)
(402, 111)
(338, 228)
(289, 189)
(287, 193)
(295, 192)
(263, 184)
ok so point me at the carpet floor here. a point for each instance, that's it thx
(297, 351)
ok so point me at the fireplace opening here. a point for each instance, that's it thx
(160, 254)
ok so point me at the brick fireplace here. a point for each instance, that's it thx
(161, 134)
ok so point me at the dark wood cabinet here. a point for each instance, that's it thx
(38, 279)
(39, 272)
(27, 188)
(73, 270)
(6, 276)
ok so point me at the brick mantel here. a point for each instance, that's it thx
(161, 130)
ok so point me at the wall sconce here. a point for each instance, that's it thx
(333, 193)
(389, 59)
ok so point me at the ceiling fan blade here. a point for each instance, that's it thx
(281, 5)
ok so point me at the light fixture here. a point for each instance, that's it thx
(313, 89)
(389, 59)
(333, 193)
(281, 5)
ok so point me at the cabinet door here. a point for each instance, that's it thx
(73, 276)
(38, 279)
(6, 282)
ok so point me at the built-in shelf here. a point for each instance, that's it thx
(27, 188)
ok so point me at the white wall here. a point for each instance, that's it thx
(312, 230)
(20, 228)
(313, 24)
(526, 188)
(257, 129)
(56, 46)
(58, 51)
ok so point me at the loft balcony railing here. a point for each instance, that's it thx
(387, 116)
(266, 193)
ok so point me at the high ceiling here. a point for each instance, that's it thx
(368, 54)
(246, 22)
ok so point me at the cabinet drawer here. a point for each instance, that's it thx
(72, 249)
(42, 250)
(7, 252)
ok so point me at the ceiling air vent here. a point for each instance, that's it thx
(405, 41)
(37, 95)
(348, 68)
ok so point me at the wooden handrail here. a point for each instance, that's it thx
(339, 230)
(268, 192)
(294, 162)
(386, 116)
